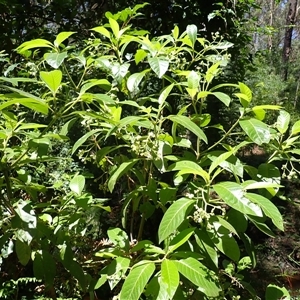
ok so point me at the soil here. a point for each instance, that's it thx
(279, 258)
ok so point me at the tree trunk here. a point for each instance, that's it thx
(287, 46)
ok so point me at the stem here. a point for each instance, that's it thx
(141, 229)
(224, 136)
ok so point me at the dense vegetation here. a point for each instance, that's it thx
(128, 140)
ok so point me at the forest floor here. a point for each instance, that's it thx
(278, 259)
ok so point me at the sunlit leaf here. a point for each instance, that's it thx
(61, 37)
(121, 170)
(52, 79)
(173, 217)
(159, 65)
(55, 59)
(77, 184)
(170, 276)
(136, 281)
(257, 131)
(199, 275)
(233, 194)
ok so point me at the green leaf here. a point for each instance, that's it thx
(206, 248)
(223, 98)
(83, 139)
(283, 121)
(198, 274)
(37, 43)
(175, 32)
(190, 125)
(164, 94)
(133, 82)
(136, 281)
(52, 79)
(55, 59)
(189, 167)
(219, 160)
(77, 184)
(115, 27)
(296, 128)
(139, 55)
(23, 251)
(121, 170)
(268, 208)
(102, 30)
(119, 238)
(32, 104)
(103, 83)
(62, 36)
(274, 292)
(180, 239)
(26, 213)
(233, 195)
(212, 72)
(193, 80)
(257, 131)
(173, 217)
(191, 31)
(244, 89)
(170, 276)
(159, 65)
(225, 242)
(238, 220)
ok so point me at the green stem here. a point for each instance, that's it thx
(224, 136)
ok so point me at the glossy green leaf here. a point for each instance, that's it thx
(157, 289)
(206, 248)
(62, 36)
(121, 170)
(102, 30)
(133, 82)
(216, 162)
(225, 243)
(274, 292)
(37, 106)
(193, 80)
(237, 220)
(257, 131)
(244, 89)
(164, 94)
(233, 194)
(26, 213)
(115, 27)
(268, 208)
(52, 79)
(182, 237)
(198, 274)
(222, 97)
(55, 59)
(23, 251)
(212, 72)
(77, 184)
(189, 167)
(37, 43)
(173, 217)
(102, 83)
(190, 125)
(191, 31)
(159, 65)
(119, 238)
(261, 225)
(140, 55)
(136, 281)
(283, 121)
(296, 128)
(83, 139)
(170, 276)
